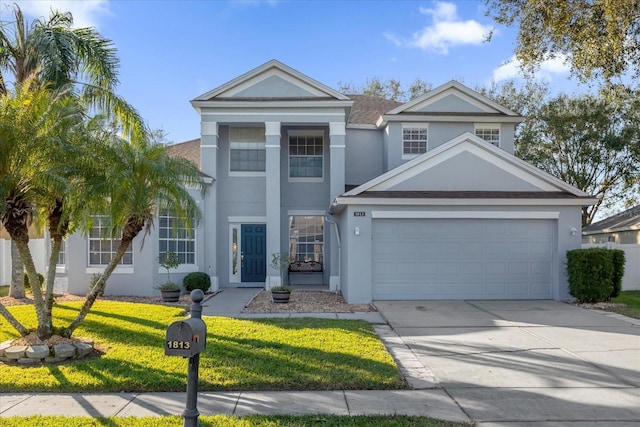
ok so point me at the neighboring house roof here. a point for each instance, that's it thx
(624, 221)
(367, 109)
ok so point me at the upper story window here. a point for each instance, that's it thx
(414, 140)
(102, 247)
(306, 155)
(489, 132)
(247, 155)
(177, 235)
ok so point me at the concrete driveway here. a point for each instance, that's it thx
(513, 362)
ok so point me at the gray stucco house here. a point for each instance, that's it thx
(422, 200)
(622, 228)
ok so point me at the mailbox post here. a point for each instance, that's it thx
(187, 338)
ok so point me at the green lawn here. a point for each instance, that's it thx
(632, 300)
(265, 354)
(231, 421)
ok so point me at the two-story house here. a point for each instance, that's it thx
(422, 200)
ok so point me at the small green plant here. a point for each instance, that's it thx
(590, 273)
(169, 286)
(281, 289)
(169, 260)
(27, 284)
(280, 261)
(92, 284)
(197, 280)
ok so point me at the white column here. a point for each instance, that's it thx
(209, 165)
(337, 136)
(273, 208)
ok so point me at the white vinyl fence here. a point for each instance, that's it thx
(631, 278)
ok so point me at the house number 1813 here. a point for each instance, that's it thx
(359, 213)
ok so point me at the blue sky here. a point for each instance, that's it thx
(174, 51)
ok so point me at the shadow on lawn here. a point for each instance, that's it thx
(276, 365)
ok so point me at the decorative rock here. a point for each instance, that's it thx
(83, 348)
(3, 346)
(16, 352)
(53, 359)
(28, 361)
(4, 359)
(64, 350)
(37, 351)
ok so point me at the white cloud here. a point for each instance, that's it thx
(446, 30)
(548, 69)
(85, 13)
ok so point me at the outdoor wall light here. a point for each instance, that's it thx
(356, 231)
(573, 231)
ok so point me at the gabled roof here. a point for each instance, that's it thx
(189, 150)
(457, 89)
(624, 221)
(308, 87)
(518, 179)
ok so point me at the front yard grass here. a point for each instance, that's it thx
(232, 421)
(632, 300)
(262, 354)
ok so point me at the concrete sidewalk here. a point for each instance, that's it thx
(432, 403)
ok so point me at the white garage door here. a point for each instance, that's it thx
(462, 258)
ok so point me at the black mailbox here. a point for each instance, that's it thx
(185, 338)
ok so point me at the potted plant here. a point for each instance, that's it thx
(169, 290)
(280, 261)
(281, 294)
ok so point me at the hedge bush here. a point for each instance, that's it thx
(197, 280)
(595, 274)
(618, 271)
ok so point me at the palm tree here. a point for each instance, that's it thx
(35, 123)
(147, 179)
(59, 56)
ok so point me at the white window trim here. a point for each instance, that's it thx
(306, 132)
(246, 145)
(491, 126)
(99, 268)
(412, 126)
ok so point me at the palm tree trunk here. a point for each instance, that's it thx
(99, 287)
(44, 330)
(13, 321)
(16, 290)
(51, 276)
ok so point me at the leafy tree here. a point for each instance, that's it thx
(589, 142)
(147, 180)
(78, 68)
(34, 124)
(389, 89)
(599, 38)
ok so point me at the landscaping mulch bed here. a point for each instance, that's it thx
(305, 302)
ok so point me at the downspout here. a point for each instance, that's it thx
(335, 227)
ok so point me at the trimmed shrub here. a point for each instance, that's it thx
(27, 284)
(197, 280)
(618, 271)
(591, 274)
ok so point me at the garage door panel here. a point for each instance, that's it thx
(462, 259)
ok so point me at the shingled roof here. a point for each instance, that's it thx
(367, 109)
(189, 150)
(624, 221)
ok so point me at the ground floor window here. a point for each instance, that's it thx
(102, 246)
(176, 235)
(306, 238)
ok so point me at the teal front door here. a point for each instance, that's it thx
(254, 253)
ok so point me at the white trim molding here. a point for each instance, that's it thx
(248, 219)
(464, 215)
(337, 128)
(272, 128)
